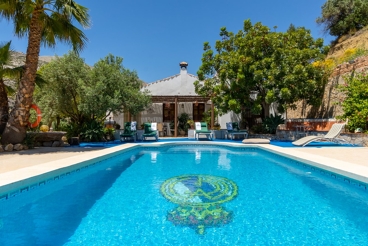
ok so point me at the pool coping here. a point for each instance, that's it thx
(15, 182)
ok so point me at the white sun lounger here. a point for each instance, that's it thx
(331, 136)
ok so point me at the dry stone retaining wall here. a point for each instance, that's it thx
(333, 97)
(40, 139)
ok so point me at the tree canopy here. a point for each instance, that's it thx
(278, 67)
(62, 95)
(355, 105)
(340, 17)
(112, 88)
(82, 93)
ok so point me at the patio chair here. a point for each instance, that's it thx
(161, 129)
(202, 129)
(150, 130)
(331, 136)
(130, 131)
(232, 129)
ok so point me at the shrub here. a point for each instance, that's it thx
(270, 123)
(109, 133)
(183, 122)
(257, 129)
(72, 129)
(355, 105)
(30, 141)
(92, 131)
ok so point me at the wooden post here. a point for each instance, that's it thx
(212, 115)
(176, 118)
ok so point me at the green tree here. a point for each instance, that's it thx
(340, 17)
(112, 89)
(62, 95)
(278, 67)
(44, 22)
(86, 96)
(355, 106)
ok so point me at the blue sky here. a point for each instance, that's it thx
(153, 37)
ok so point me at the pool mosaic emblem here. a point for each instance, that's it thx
(199, 198)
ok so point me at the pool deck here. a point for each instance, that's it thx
(28, 164)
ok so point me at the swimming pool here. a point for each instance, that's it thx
(189, 195)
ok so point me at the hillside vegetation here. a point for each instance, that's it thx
(349, 42)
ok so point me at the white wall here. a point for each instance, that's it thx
(119, 119)
(229, 117)
(186, 107)
(154, 113)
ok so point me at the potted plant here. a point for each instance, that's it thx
(181, 132)
(117, 126)
(216, 126)
(191, 123)
(109, 133)
(183, 123)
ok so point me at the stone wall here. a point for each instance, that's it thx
(332, 98)
(48, 139)
(39, 139)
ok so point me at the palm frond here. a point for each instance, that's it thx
(17, 72)
(8, 8)
(5, 53)
(40, 82)
(73, 10)
(19, 12)
(9, 90)
(13, 73)
(60, 27)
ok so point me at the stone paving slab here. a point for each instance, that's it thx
(10, 161)
(352, 155)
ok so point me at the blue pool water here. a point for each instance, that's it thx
(189, 195)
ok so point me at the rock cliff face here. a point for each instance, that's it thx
(331, 105)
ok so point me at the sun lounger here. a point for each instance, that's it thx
(232, 129)
(150, 130)
(331, 136)
(201, 129)
(130, 131)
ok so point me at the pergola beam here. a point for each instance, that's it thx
(162, 99)
(176, 118)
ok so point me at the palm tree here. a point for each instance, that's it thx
(4, 71)
(43, 21)
(14, 73)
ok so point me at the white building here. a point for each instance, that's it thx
(173, 96)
